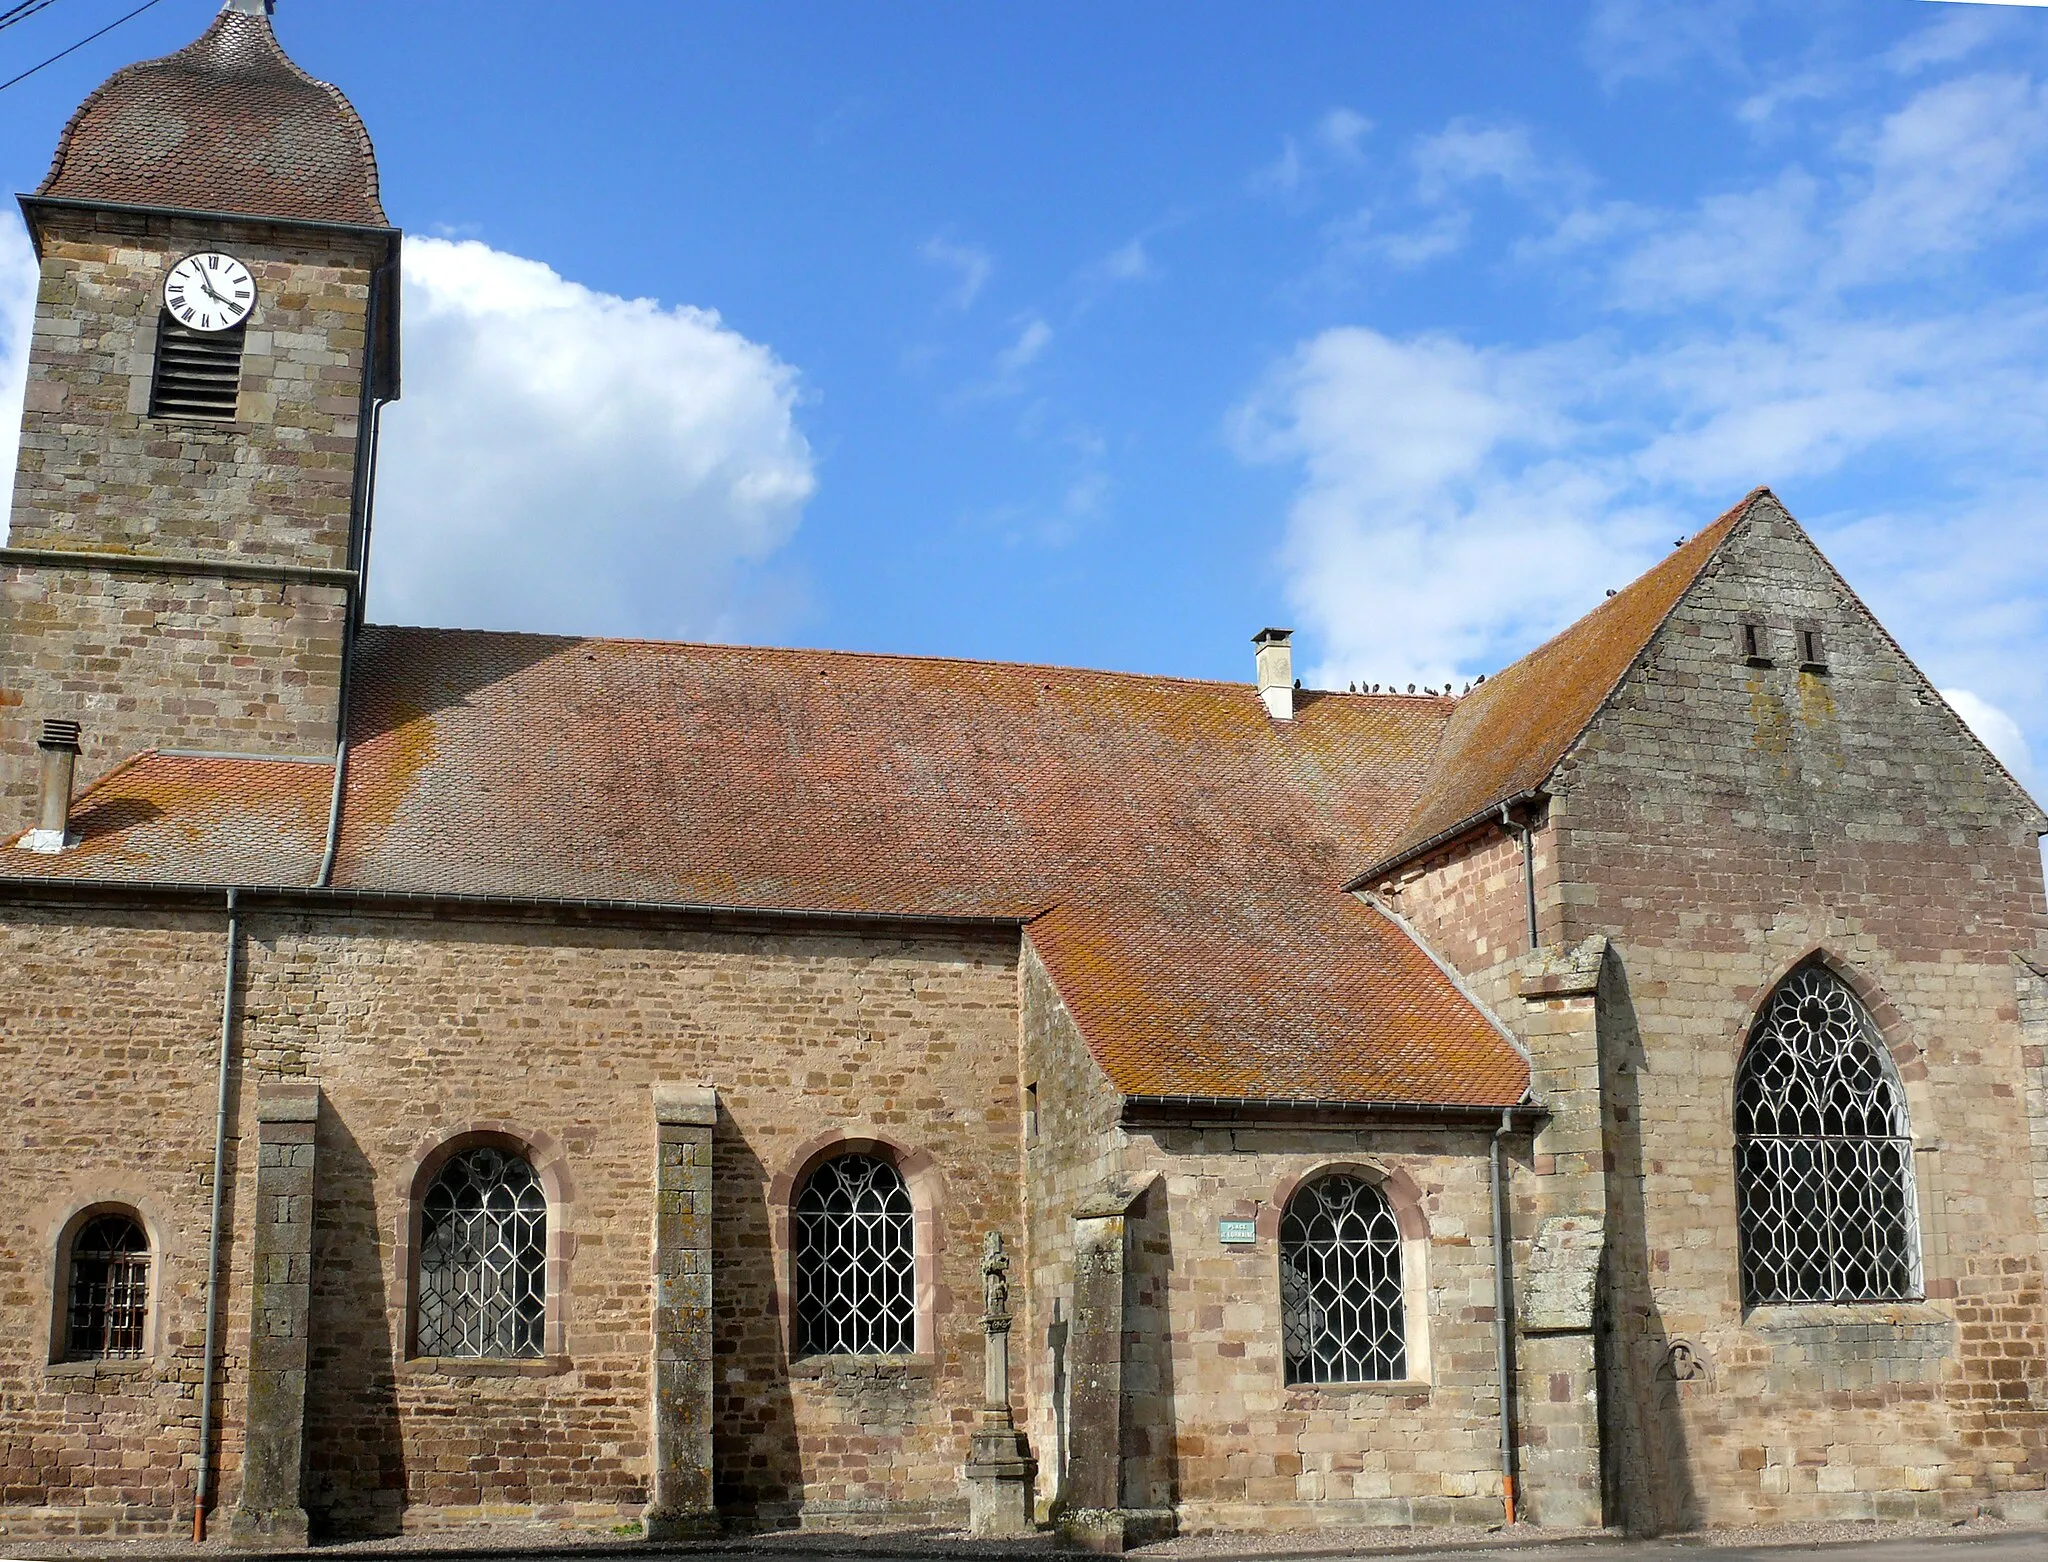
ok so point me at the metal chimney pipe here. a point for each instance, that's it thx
(1276, 671)
(59, 744)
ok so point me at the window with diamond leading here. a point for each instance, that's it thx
(483, 1258)
(107, 1306)
(856, 1271)
(1341, 1314)
(1823, 1156)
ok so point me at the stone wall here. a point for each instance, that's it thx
(417, 1031)
(1075, 1150)
(177, 656)
(1236, 1446)
(1720, 822)
(276, 484)
(110, 1048)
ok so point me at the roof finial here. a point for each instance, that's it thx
(251, 7)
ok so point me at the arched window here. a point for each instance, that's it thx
(856, 1272)
(1341, 1313)
(106, 1314)
(1823, 1159)
(483, 1258)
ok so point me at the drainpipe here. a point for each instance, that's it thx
(1500, 1322)
(1528, 867)
(220, 1156)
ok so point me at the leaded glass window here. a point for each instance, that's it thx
(107, 1302)
(1342, 1319)
(483, 1258)
(856, 1270)
(1823, 1157)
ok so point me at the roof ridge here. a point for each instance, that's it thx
(843, 654)
(1501, 696)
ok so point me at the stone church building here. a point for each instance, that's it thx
(454, 1076)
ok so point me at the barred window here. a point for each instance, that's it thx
(1342, 1319)
(107, 1303)
(856, 1274)
(483, 1258)
(1823, 1157)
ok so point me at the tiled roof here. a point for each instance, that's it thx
(227, 124)
(183, 819)
(1510, 732)
(1174, 852)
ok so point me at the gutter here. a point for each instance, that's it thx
(1139, 1110)
(1502, 1348)
(220, 1154)
(1380, 870)
(30, 204)
(325, 900)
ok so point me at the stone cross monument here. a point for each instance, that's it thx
(1000, 1470)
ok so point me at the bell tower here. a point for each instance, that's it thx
(216, 329)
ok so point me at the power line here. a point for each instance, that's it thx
(22, 12)
(53, 59)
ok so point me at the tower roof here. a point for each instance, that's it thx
(227, 124)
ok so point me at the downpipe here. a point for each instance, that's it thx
(220, 1157)
(1507, 822)
(1501, 1343)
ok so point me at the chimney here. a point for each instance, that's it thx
(1276, 671)
(59, 744)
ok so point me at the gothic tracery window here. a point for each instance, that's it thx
(107, 1297)
(855, 1260)
(1341, 1309)
(483, 1258)
(1823, 1155)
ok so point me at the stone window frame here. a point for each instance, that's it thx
(1405, 1198)
(920, 1174)
(550, 1166)
(1922, 1124)
(78, 1212)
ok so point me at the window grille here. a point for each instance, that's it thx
(108, 1304)
(483, 1258)
(1342, 1319)
(198, 373)
(1823, 1156)
(856, 1272)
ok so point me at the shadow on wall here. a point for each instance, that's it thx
(1646, 1466)
(1151, 1463)
(755, 1459)
(355, 1457)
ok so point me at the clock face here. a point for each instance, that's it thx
(209, 292)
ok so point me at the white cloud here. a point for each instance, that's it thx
(1341, 130)
(2000, 733)
(970, 264)
(1466, 152)
(18, 276)
(1647, 39)
(1457, 502)
(1282, 176)
(1033, 337)
(1130, 262)
(569, 460)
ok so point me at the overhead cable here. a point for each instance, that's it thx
(89, 38)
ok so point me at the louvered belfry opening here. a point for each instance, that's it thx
(198, 373)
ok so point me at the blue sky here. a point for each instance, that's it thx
(1108, 334)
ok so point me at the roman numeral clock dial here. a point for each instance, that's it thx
(209, 292)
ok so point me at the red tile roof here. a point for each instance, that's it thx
(1510, 732)
(227, 124)
(181, 819)
(1174, 854)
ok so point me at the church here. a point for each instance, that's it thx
(459, 1077)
